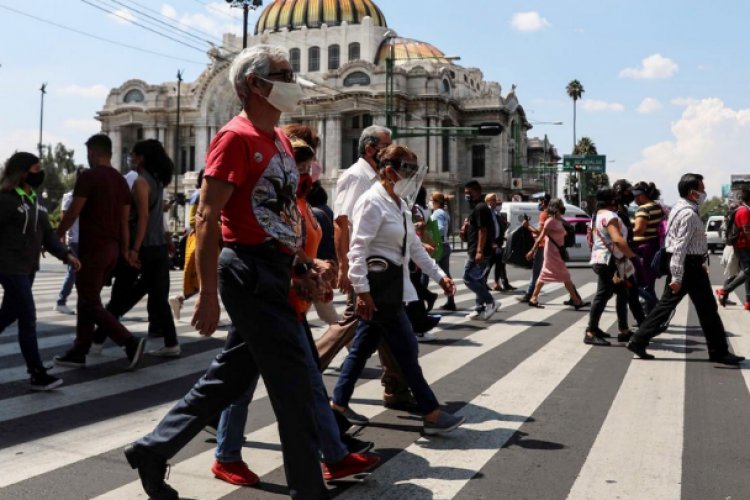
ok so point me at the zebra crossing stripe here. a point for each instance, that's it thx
(192, 476)
(641, 440)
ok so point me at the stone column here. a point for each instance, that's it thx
(201, 146)
(333, 147)
(117, 159)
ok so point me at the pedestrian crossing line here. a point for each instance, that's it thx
(193, 477)
(25, 460)
(410, 474)
(735, 322)
(641, 440)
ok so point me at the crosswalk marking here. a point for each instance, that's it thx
(638, 450)
(641, 438)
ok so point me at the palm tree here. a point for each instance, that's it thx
(575, 91)
(585, 147)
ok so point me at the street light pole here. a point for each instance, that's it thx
(246, 6)
(43, 90)
(178, 163)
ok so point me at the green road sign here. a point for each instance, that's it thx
(588, 163)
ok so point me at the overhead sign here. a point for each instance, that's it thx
(585, 163)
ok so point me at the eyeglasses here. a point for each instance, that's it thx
(285, 75)
(404, 169)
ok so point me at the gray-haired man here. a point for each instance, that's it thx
(249, 182)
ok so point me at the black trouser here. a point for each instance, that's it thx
(254, 287)
(605, 288)
(501, 275)
(696, 284)
(131, 285)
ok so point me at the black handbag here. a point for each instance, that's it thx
(660, 262)
(386, 279)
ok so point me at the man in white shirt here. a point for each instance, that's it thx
(354, 183)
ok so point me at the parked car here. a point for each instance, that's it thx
(715, 227)
(580, 251)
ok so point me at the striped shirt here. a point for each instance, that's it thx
(654, 214)
(686, 236)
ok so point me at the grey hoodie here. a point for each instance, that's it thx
(24, 228)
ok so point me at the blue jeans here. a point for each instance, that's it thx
(398, 334)
(70, 278)
(229, 434)
(475, 279)
(536, 269)
(18, 304)
(743, 256)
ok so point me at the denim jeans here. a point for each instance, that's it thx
(70, 278)
(475, 279)
(398, 334)
(254, 285)
(18, 304)
(536, 269)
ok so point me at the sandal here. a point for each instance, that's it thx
(535, 304)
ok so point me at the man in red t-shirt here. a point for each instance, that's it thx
(101, 202)
(249, 185)
(741, 250)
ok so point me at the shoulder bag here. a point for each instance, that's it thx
(386, 279)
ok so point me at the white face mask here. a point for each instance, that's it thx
(284, 96)
(701, 197)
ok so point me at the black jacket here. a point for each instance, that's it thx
(24, 228)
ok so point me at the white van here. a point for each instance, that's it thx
(715, 232)
(515, 212)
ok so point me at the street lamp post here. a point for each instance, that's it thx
(246, 6)
(43, 90)
(178, 163)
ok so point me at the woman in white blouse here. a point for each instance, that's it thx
(382, 227)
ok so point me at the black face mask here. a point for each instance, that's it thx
(35, 179)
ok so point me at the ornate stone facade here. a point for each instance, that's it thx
(339, 55)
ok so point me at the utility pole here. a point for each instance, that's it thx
(43, 90)
(178, 163)
(246, 6)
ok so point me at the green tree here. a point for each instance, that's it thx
(713, 206)
(59, 175)
(585, 147)
(575, 91)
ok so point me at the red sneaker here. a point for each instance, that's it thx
(747, 306)
(234, 473)
(353, 463)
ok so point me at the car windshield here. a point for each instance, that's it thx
(714, 225)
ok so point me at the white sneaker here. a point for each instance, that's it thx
(96, 349)
(62, 308)
(426, 337)
(167, 352)
(489, 310)
(473, 315)
(176, 304)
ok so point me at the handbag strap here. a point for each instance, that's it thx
(403, 244)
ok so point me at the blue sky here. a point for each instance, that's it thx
(666, 81)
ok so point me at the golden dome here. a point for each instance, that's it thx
(294, 14)
(408, 49)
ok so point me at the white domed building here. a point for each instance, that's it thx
(339, 48)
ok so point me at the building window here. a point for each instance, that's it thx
(477, 160)
(446, 163)
(134, 95)
(356, 78)
(366, 121)
(353, 51)
(355, 151)
(333, 57)
(294, 59)
(313, 59)
(139, 134)
(355, 122)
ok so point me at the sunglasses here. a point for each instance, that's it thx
(286, 75)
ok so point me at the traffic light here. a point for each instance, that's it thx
(489, 129)
(580, 168)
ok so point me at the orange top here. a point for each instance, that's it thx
(313, 235)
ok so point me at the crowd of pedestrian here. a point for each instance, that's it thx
(263, 239)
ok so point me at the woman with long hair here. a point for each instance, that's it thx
(24, 229)
(610, 249)
(146, 271)
(554, 269)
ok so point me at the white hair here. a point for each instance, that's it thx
(255, 60)
(370, 137)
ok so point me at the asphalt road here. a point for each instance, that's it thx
(547, 416)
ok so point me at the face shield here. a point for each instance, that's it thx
(412, 176)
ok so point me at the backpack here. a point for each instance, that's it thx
(570, 234)
(732, 231)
